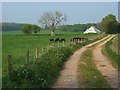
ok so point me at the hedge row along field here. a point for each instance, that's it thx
(42, 72)
(110, 52)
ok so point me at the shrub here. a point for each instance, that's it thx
(40, 73)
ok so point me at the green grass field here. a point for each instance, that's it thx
(16, 44)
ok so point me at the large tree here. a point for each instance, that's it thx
(52, 20)
(109, 24)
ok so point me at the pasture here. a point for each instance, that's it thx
(16, 44)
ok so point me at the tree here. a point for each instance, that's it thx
(52, 20)
(27, 28)
(118, 27)
(109, 24)
(36, 28)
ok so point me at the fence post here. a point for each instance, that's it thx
(37, 52)
(63, 43)
(58, 44)
(78, 40)
(43, 50)
(27, 55)
(9, 64)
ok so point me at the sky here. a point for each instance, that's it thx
(60, 0)
(77, 12)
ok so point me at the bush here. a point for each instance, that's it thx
(40, 73)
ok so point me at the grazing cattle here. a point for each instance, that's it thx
(62, 39)
(78, 39)
(57, 39)
(51, 40)
(75, 39)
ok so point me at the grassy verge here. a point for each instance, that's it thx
(88, 75)
(114, 57)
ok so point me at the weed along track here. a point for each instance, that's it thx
(68, 76)
(104, 65)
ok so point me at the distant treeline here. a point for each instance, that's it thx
(11, 26)
(79, 27)
(67, 28)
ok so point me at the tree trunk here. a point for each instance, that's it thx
(53, 33)
(53, 30)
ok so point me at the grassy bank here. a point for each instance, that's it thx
(111, 51)
(88, 75)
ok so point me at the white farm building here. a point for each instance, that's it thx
(92, 29)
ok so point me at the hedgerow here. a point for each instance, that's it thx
(40, 73)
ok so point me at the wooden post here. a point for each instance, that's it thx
(43, 50)
(63, 43)
(58, 44)
(27, 55)
(37, 53)
(9, 64)
(78, 40)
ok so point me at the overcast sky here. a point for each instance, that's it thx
(77, 12)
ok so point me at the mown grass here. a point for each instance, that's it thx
(110, 51)
(88, 75)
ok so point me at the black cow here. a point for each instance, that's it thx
(52, 40)
(62, 39)
(78, 39)
(57, 39)
(75, 39)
